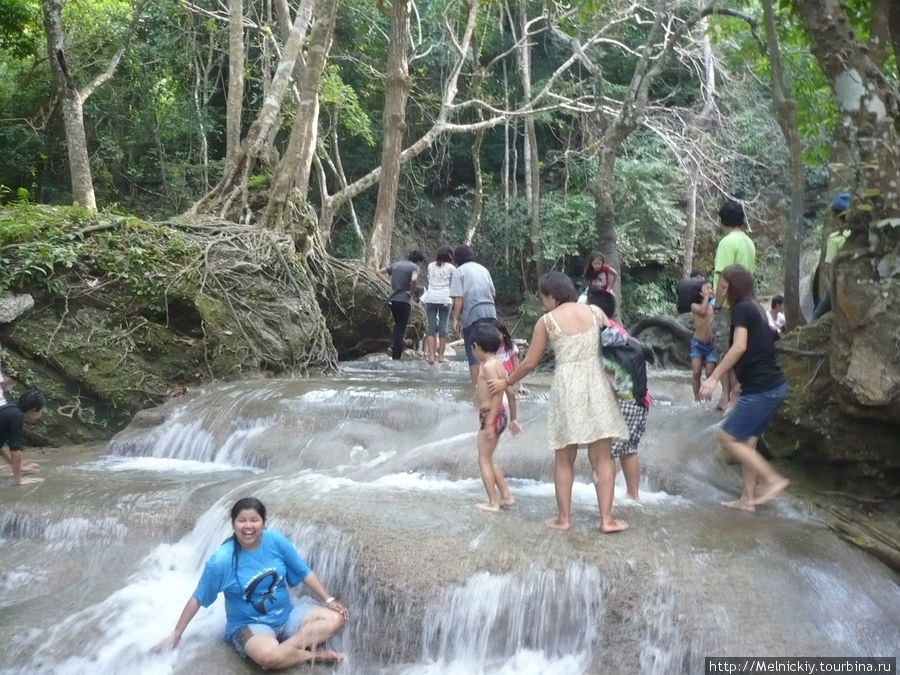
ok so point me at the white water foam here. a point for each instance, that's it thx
(167, 465)
(582, 493)
(523, 662)
(503, 623)
(117, 634)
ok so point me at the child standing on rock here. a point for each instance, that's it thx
(493, 415)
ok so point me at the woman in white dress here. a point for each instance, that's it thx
(583, 409)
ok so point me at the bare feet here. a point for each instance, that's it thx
(31, 480)
(442, 360)
(29, 467)
(487, 506)
(613, 525)
(508, 502)
(558, 524)
(634, 497)
(771, 490)
(738, 504)
(326, 656)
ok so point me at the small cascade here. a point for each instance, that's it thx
(190, 441)
(669, 645)
(493, 618)
(16, 525)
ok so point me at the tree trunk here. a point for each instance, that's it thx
(786, 114)
(294, 168)
(530, 153)
(72, 110)
(234, 181)
(478, 197)
(690, 233)
(604, 213)
(234, 103)
(397, 84)
(865, 301)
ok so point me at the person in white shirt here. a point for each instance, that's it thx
(775, 315)
(437, 305)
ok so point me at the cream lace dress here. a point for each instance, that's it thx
(583, 406)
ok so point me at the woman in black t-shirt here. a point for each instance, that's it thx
(763, 389)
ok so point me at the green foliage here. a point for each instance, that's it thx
(19, 22)
(340, 99)
(53, 250)
(567, 224)
(649, 216)
(653, 297)
(803, 79)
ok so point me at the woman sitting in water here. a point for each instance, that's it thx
(583, 408)
(763, 389)
(254, 568)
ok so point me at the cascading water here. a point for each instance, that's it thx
(372, 475)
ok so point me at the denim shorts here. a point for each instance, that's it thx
(280, 633)
(705, 351)
(436, 318)
(467, 342)
(753, 412)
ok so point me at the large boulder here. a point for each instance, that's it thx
(864, 350)
(14, 305)
(820, 424)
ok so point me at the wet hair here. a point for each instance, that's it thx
(415, 256)
(463, 254)
(697, 274)
(732, 214)
(244, 504)
(32, 400)
(589, 272)
(557, 286)
(740, 284)
(444, 255)
(248, 503)
(487, 336)
(505, 337)
(602, 299)
(777, 300)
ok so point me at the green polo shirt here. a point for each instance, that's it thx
(735, 248)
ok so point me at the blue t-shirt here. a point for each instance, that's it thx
(258, 591)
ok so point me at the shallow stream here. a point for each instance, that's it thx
(372, 474)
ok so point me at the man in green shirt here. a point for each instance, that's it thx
(735, 248)
(833, 244)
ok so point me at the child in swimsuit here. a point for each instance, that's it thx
(492, 415)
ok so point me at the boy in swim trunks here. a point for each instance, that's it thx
(492, 415)
(703, 351)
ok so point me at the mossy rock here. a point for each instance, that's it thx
(813, 425)
(357, 312)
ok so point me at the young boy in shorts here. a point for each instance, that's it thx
(703, 351)
(492, 415)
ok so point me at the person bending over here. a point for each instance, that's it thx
(12, 418)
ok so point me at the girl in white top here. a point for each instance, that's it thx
(437, 305)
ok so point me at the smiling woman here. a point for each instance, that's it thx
(254, 568)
